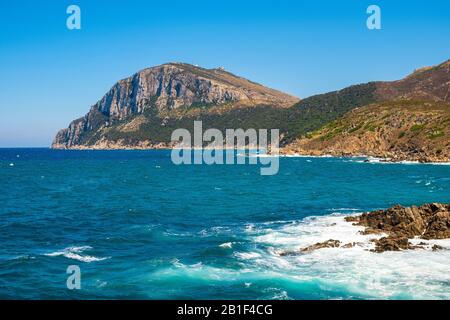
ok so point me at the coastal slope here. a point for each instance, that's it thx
(408, 120)
(399, 130)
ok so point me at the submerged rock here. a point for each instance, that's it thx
(327, 244)
(319, 245)
(437, 247)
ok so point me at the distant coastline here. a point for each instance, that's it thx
(407, 120)
(283, 152)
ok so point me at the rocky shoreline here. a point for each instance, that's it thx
(397, 226)
(380, 157)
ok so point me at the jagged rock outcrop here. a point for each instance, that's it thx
(396, 226)
(165, 88)
(429, 221)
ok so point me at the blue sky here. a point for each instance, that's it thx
(51, 75)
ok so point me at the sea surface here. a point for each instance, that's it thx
(140, 227)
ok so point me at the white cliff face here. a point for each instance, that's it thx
(165, 88)
(170, 87)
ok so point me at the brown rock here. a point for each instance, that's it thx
(327, 244)
(391, 244)
(352, 219)
(437, 247)
(429, 221)
(351, 244)
(320, 245)
(438, 226)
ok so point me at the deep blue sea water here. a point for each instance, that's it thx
(141, 227)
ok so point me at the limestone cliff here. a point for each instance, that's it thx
(168, 88)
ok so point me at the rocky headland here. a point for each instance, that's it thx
(141, 111)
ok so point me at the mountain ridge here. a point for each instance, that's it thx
(141, 111)
(407, 121)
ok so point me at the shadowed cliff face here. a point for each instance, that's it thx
(166, 88)
(173, 86)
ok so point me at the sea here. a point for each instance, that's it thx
(136, 226)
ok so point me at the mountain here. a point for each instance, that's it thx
(167, 90)
(142, 111)
(408, 119)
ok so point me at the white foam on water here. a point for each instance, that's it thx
(75, 254)
(200, 271)
(408, 274)
(101, 284)
(296, 155)
(246, 277)
(23, 257)
(312, 230)
(78, 257)
(262, 155)
(249, 228)
(226, 245)
(374, 160)
(197, 271)
(338, 273)
(247, 255)
(213, 231)
(277, 294)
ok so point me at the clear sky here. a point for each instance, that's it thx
(50, 75)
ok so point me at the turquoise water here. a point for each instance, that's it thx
(140, 227)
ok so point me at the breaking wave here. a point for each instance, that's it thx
(409, 274)
(332, 273)
(75, 253)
